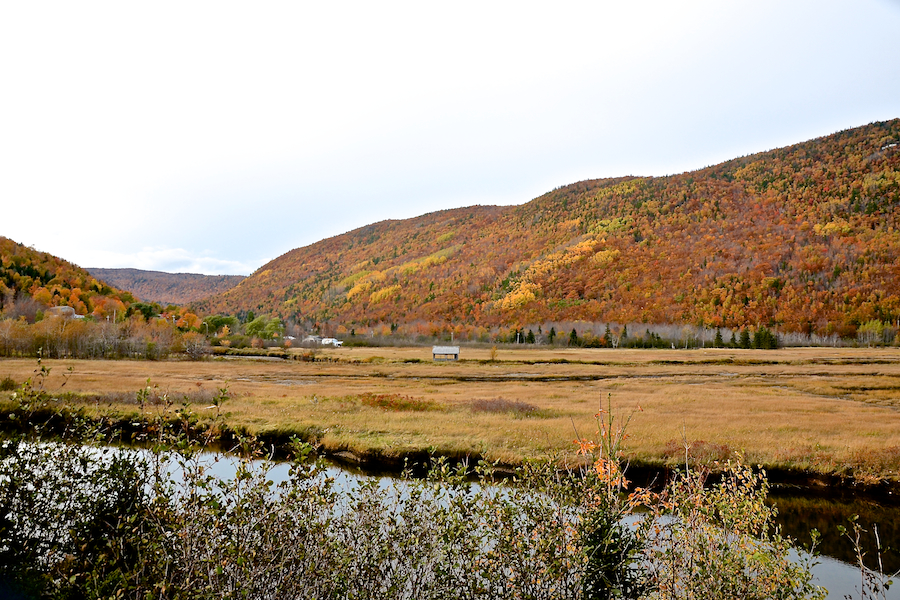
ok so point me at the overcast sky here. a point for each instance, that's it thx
(211, 137)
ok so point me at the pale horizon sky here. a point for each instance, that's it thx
(211, 137)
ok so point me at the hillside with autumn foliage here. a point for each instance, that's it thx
(30, 277)
(804, 238)
(166, 288)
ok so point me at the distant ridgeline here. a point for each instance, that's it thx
(804, 238)
(28, 277)
(167, 288)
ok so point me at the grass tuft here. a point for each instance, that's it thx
(516, 408)
(154, 397)
(397, 402)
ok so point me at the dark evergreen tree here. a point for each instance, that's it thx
(765, 339)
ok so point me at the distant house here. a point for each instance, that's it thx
(312, 340)
(63, 311)
(445, 353)
(317, 340)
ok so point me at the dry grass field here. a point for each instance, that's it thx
(818, 409)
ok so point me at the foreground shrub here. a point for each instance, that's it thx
(102, 523)
(719, 542)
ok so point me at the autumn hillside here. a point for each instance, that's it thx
(166, 288)
(804, 238)
(30, 277)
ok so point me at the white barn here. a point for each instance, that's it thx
(445, 353)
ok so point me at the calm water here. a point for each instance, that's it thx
(797, 515)
(800, 513)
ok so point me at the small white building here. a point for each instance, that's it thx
(445, 353)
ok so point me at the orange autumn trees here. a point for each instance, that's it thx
(52, 281)
(804, 238)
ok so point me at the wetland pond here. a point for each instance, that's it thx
(799, 511)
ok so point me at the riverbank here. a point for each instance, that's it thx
(814, 416)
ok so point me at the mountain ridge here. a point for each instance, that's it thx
(803, 238)
(166, 288)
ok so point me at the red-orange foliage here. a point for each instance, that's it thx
(53, 282)
(801, 238)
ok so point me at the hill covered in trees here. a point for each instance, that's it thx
(804, 238)
(167, 288)
(31, 280)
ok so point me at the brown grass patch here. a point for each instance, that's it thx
(825, 409)
(397, 402)
(516, 408)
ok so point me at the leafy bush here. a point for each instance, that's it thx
(7, 384)
(718, 542)
(133, 529)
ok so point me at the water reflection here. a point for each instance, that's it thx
(798, 514)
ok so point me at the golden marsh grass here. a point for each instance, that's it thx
(821, 409)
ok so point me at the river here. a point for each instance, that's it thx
(799, 511)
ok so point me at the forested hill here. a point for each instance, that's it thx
(800, 238)
(30, 279)
(167, 288)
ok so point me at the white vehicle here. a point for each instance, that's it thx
(332, 342)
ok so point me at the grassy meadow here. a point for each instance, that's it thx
(831, 411)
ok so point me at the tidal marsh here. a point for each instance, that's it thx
(824, 410)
